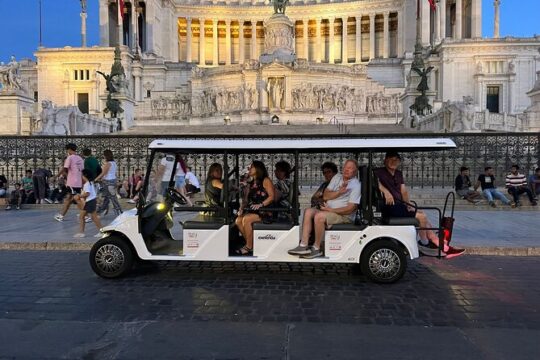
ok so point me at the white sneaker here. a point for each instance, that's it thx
(48, 201)
(79, 235)
(131, 201)
(87, 219)
(59, 217)
(56, 202)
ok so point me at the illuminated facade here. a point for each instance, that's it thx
(195, 61)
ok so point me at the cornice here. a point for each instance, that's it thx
(297, 12)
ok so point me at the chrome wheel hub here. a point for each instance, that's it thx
(109, 258)
(384, 263)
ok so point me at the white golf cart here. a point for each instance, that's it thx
(380, 245)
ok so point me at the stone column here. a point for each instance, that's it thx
(318, 46)
(459, 19)
(371, 36)
(120, 27)
(442, 11)
(496, 32)
(400, 31)
(426, 22)
(331, 42)
(134, 27)
(344, 39)
(254, 40)
(215, 59)
(228, 42)
(83, 28)
(305, 28)
(386, 36)
(241, 42)
(189, 37)
(104, 23)
(202, 43)
(358, 42)
(476, 27)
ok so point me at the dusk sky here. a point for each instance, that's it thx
(19, 28)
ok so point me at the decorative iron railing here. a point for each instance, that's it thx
(421, 169)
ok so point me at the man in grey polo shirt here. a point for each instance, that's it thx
(342, 197)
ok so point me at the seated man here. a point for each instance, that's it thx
(342, 197)
(486, 182)
(463, 186)
(534, 182)
(16, 197)
(395, 193)
(516, 184)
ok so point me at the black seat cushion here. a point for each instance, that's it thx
(347, 227)
(401, 221)
(272, 226)
(204, 222)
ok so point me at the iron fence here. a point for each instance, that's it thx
(421, 169)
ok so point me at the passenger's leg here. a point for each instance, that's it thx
(240, 224)
(428, 234)
(307, 225)
(248, 221)
(529, 194)
(320, 227)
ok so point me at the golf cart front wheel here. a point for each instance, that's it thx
(111, 257)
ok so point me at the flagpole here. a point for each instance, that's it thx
(40, 31)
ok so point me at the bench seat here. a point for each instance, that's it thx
(204, 222)
(272, 226)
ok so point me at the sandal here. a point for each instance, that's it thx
(244, 251)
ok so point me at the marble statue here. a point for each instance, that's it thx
(275, 90)
(10, 79)
(83, 6)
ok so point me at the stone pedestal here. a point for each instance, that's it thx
(127, 118)
(409, 96)
(16, 110)
(278, 40)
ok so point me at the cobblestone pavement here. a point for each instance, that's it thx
(468, 307)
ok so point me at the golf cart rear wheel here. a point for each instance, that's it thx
(111, 257)
(383, 261)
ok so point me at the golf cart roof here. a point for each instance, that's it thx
(244, 145)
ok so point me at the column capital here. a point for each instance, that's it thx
(215, 21)
(372, 16)
(227, 21)
(305, 21)
(331, 19)
(318, 20)
(386, 14)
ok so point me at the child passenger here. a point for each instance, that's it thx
(86, 202)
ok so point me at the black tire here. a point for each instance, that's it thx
(111, 257)
(383, 261)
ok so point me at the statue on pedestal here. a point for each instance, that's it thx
(9, 76)
(116, 84)
(421, 104)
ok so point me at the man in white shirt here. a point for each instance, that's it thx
(342, 197)
(165, 170)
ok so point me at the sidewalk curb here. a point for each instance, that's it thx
(60, 246)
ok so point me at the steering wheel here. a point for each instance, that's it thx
(175, 196)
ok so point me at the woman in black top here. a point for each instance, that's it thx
(214, 186)
(260, 193)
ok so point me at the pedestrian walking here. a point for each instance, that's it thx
(86, 202)
(108, 184)
(73, 166)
